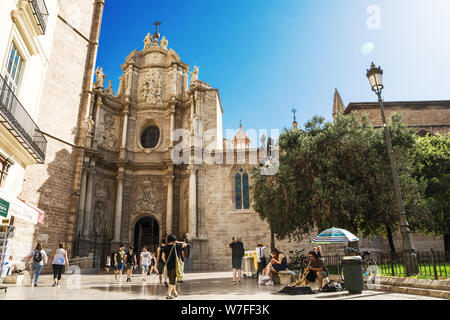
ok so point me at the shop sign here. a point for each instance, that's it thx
(4, 207)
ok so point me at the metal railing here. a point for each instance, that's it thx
(41, 13)
(17, 120)
(431, 264)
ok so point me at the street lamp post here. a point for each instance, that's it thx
(375, 76)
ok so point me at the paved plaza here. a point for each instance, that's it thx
(197, 286)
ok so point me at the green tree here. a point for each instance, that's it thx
(431, 159)
(337, 174)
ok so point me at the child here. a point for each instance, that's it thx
(108, 264)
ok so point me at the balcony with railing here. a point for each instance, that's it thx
(40, 13)
(17, 120)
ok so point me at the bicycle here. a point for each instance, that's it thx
(370, 268)
(299, 260)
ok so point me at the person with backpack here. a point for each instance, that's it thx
(39, 259)
(237, 254)
(59, 260)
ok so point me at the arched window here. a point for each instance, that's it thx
(241, 189)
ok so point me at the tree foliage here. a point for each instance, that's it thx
(431, 159)
(338, 174)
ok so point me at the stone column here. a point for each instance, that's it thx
(192, 232)
(82, 202)
(98, 105)
(124, 134)
(169, 213)
(172, 124)
(87, 222)
(118, 211)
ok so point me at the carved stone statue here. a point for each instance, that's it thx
(100, 77)
(110, 90)
(98, 224)
(148, 41)
(164, 42)
(108, 136)
(121, 85)
(194, 74)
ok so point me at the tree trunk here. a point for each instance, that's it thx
(390, 239)
(447, 242)
(272, 238)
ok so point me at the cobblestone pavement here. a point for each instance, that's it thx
(197, 286)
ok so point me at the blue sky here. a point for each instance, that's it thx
(268, 56)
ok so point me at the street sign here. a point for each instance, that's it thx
(4, 207)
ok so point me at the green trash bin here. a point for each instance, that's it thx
(352, 268)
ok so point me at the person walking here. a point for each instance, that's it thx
(59, 261)
(130, 262)
(145, 262)
(160, 263)
(169, 257)
(39, 259)
(153, 264)
(237, 254)
(260, 259)
(119, 258)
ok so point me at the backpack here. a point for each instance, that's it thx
(37, 256)
(332, 286)
(293, 291)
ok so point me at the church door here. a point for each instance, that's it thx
(146, 233)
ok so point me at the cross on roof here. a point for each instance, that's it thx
(157, 23)
(294, 111)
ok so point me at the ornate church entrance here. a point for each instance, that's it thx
(146, 233)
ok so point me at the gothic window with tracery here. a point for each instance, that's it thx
(242, 189)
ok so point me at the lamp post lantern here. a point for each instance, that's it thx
(375, 76)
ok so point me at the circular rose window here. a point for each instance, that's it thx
(150, 137)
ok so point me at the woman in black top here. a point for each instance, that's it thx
(169, 257)
(130, 261)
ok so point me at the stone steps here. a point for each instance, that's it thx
(411, 290)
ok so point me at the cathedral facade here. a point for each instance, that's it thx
(144, 173)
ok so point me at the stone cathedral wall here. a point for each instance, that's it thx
(49, 186)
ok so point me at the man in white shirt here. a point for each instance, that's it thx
(146, 257)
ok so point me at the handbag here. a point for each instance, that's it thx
(178, 264)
